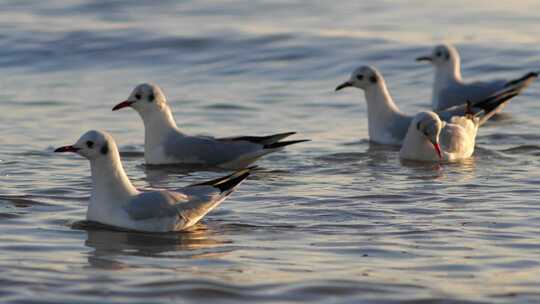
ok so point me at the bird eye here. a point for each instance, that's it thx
(438, 54)
(138, 96)
(360, 77)
(425, 133)
(90, 144)
(151, 98)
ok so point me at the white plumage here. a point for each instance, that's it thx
(115, 201)
(449, 89)
(427, 134)
(164, 143)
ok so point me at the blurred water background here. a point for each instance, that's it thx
(336, 220)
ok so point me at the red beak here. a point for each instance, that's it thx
(438, 149)
(67, 149)
(123, 104)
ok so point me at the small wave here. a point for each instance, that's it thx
(224, 106)
(523, 149)
(21, 201)
(343, 157)
(8, 215)
(510, 136)
(205, 290)
(34, 103)
(366, 141)
(256, 226)
(41, 103)
(325, 104)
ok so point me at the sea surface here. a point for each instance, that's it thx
(334, 220)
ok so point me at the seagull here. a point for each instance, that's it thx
(429, 139)
(164, 143)
(449, 89)
(388, 125)
(114, 200)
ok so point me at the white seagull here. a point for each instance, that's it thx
(449, 89)
(115, 201)
(164, 143)
(388, 125)
(431, 140)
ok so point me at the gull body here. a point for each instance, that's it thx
(115, 201)
(431, 140)
(449, 88)
(387, 124)
(164, 143)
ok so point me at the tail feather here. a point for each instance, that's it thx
(523, 82)
(229, 182)
(281, 144)
(263, 140)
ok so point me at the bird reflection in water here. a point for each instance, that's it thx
(111, 244)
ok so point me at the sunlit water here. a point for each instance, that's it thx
(336, 220)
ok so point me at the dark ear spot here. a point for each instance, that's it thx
(373, 78)
(105, 149)
(151, 97)
(418, 126)
(447, 56)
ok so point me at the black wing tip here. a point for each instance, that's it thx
(286, 133)
(497, 101)
(268, 139)
(524, 79)
(229, 182)
(532, 74)
(281, 144)
(498, 96)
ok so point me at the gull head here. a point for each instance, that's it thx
(363, 78)
(443, 55)
(145, 98)
(92, 145)
(429, 125)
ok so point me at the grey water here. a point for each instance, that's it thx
(335, 220)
